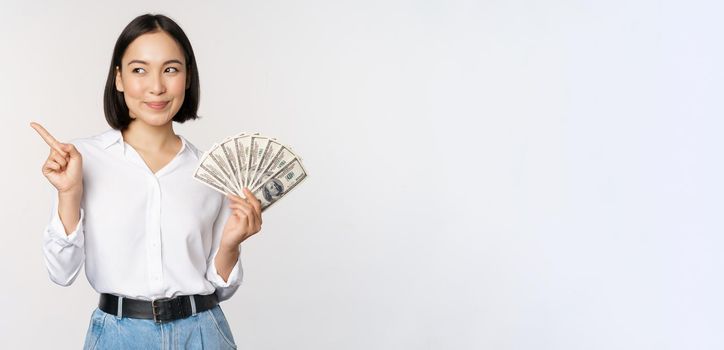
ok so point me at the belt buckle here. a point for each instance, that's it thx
(154, 307)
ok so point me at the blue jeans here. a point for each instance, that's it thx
(205, 330)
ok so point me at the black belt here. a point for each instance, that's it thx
(159, 310)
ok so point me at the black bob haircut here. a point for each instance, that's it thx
(114, 104)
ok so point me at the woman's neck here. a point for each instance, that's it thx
(144, 137)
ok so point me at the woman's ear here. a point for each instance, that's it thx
(188, 79)
(119, 81)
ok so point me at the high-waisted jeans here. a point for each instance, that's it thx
(204, 330)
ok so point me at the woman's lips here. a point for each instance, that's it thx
(157, 105)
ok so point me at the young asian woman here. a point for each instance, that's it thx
(161, 249)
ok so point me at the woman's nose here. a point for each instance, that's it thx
(157, 85)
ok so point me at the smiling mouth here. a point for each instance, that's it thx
(157, 105)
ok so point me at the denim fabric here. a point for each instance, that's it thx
(205, 330)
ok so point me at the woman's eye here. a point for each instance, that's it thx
(141, 70)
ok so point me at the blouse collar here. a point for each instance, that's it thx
(114, 136)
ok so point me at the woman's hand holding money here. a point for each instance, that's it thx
(244, 221)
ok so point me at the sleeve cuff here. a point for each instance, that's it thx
(234, 277)
(57, 231)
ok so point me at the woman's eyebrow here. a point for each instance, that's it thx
(165, 63)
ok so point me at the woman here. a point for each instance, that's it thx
(161, 249)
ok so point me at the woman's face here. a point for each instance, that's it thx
(153, 78)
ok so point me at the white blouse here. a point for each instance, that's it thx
(141, 235)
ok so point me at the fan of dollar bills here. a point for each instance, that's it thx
(265, 166)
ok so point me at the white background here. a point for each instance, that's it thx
(483, 174)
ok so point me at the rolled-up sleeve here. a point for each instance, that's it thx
(224, 289)
(64, 254)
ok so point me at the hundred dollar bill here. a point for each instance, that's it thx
(258, 144)
(280, 184)
(243, 144)
(271, 150)
(282, 158)
(229, 148)
(210, 178)
(212, 167)
(216, 156)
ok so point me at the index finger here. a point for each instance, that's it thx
(49, 139)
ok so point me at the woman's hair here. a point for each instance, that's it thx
(114, 105)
